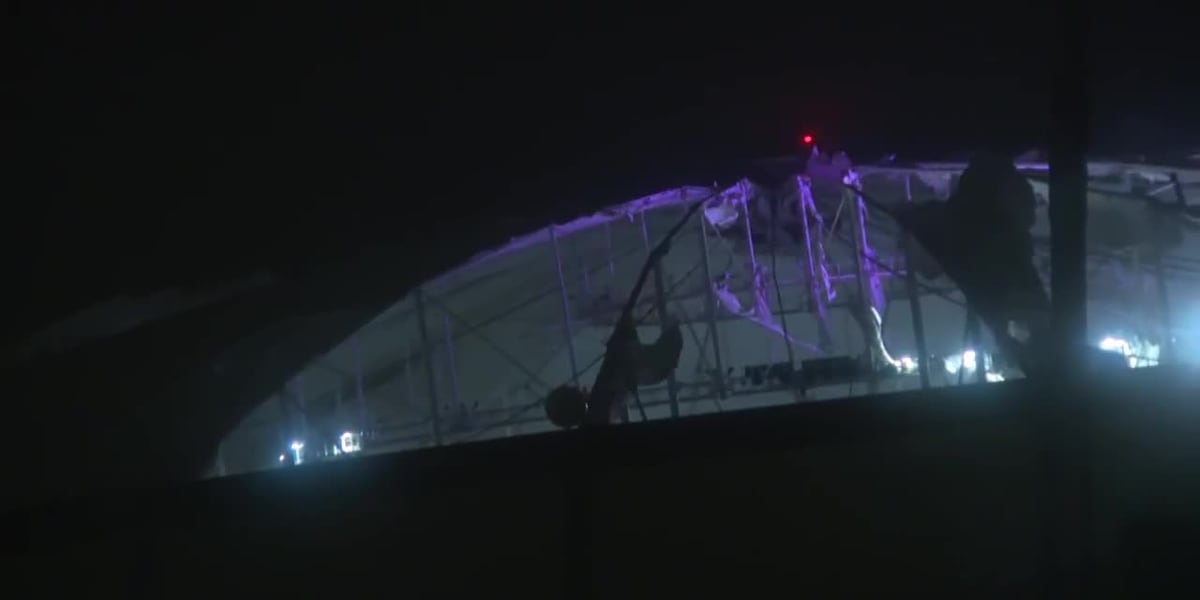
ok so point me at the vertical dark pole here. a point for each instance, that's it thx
(746, 221)
(1180, 197)
(427, 354)
(914, 297)
(863, 272)
(1068, 180)
(869, 289)
(587, 279)
(565, 305)
(612, 266)
(1065, 414)
(452, 365)
(773, 233)
(710, 309)
(358, 385)
(300, 402)
(1164, 304)
(818, 293)
(660, 292)
(1167, 344)
(408, 382)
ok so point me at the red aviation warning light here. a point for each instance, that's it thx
(807, 139)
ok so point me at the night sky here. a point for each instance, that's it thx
(158, 148)
(354, 154)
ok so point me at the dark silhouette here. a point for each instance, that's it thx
(627, 362)
(981, 239)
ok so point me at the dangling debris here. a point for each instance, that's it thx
(761, 313)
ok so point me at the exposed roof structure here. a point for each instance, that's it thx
(472, 353)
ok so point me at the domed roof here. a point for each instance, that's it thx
(473, 353)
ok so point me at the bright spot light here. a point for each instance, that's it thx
(297, 446)
(808, 139)
(993, 377)
(1137, 354)
(350, 442)
(963, 361)
(282, 457)
(968, 360)
(1115, 344)
(952, 364)
(1147, 355)
(907, 364)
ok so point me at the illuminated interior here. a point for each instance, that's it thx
(763, 296)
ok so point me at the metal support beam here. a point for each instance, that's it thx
(300, 403)
(817, 284)
(408, 382)
(702, 365)
(358, 385)
(587, 280)
(452, 365)
(612, 265)
(869, 292)
(427, 356)
(869, 289)
(1180, 197)
(773, 241)
(1167, 347)
(566, 306)
(660, 305)
(761, 304)
(392, 370)
(672, 385)
(1166, 351)
(746, 221)
(710, 309)
(478, 333)
(1068, 185)
(914, 298)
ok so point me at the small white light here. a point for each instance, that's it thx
(282, 457)
(952, 363)
(349, 443)
(968, 360)
(1115, 344)
(1137, 354)
(907, 364)
(297, 446)
(994, 377)
(1146, 354)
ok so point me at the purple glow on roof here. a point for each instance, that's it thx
(832, 169)
(628, 210)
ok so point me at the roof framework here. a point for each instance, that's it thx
(470, 354)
